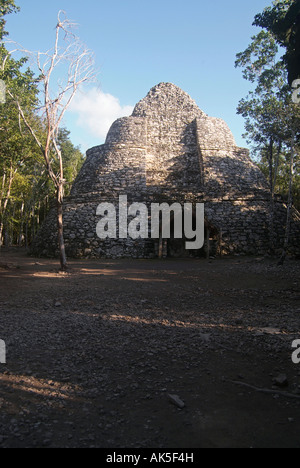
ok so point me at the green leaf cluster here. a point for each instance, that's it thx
(6, 7)
(282, 19)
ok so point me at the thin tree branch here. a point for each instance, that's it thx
(266, 390)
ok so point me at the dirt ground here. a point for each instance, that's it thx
(93, 355)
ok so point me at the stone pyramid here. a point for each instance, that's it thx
(170, 151)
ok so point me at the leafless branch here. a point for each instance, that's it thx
(266, 390)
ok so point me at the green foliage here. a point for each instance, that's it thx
(267, 109)
(6, 7)
(272, 120)
(17, 151)
(259, 60)
(282, 20)
(282, 180)
(72, 157)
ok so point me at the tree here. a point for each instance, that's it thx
(31, 191)
(16, 146)
(271, 118)
(6, 7)
(78, 68)
(282, 22)
(282, 19)
(263, 107)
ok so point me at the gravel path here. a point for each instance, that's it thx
(94, 355)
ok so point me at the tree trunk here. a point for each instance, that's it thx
(290, 203)
(207, 243)
(12, 174)
(21, 230)
(60, 228)
(33, 221)
(2, 190)
(271, 210)
(26, 234)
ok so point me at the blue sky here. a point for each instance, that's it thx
(138, 44)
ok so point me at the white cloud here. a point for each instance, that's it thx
(95, 111)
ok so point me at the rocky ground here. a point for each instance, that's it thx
(92, 356)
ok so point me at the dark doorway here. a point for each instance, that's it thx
(176, 248)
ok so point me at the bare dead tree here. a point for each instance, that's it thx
(73, 62)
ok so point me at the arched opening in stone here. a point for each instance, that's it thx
(176, 248)
(212, 241)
